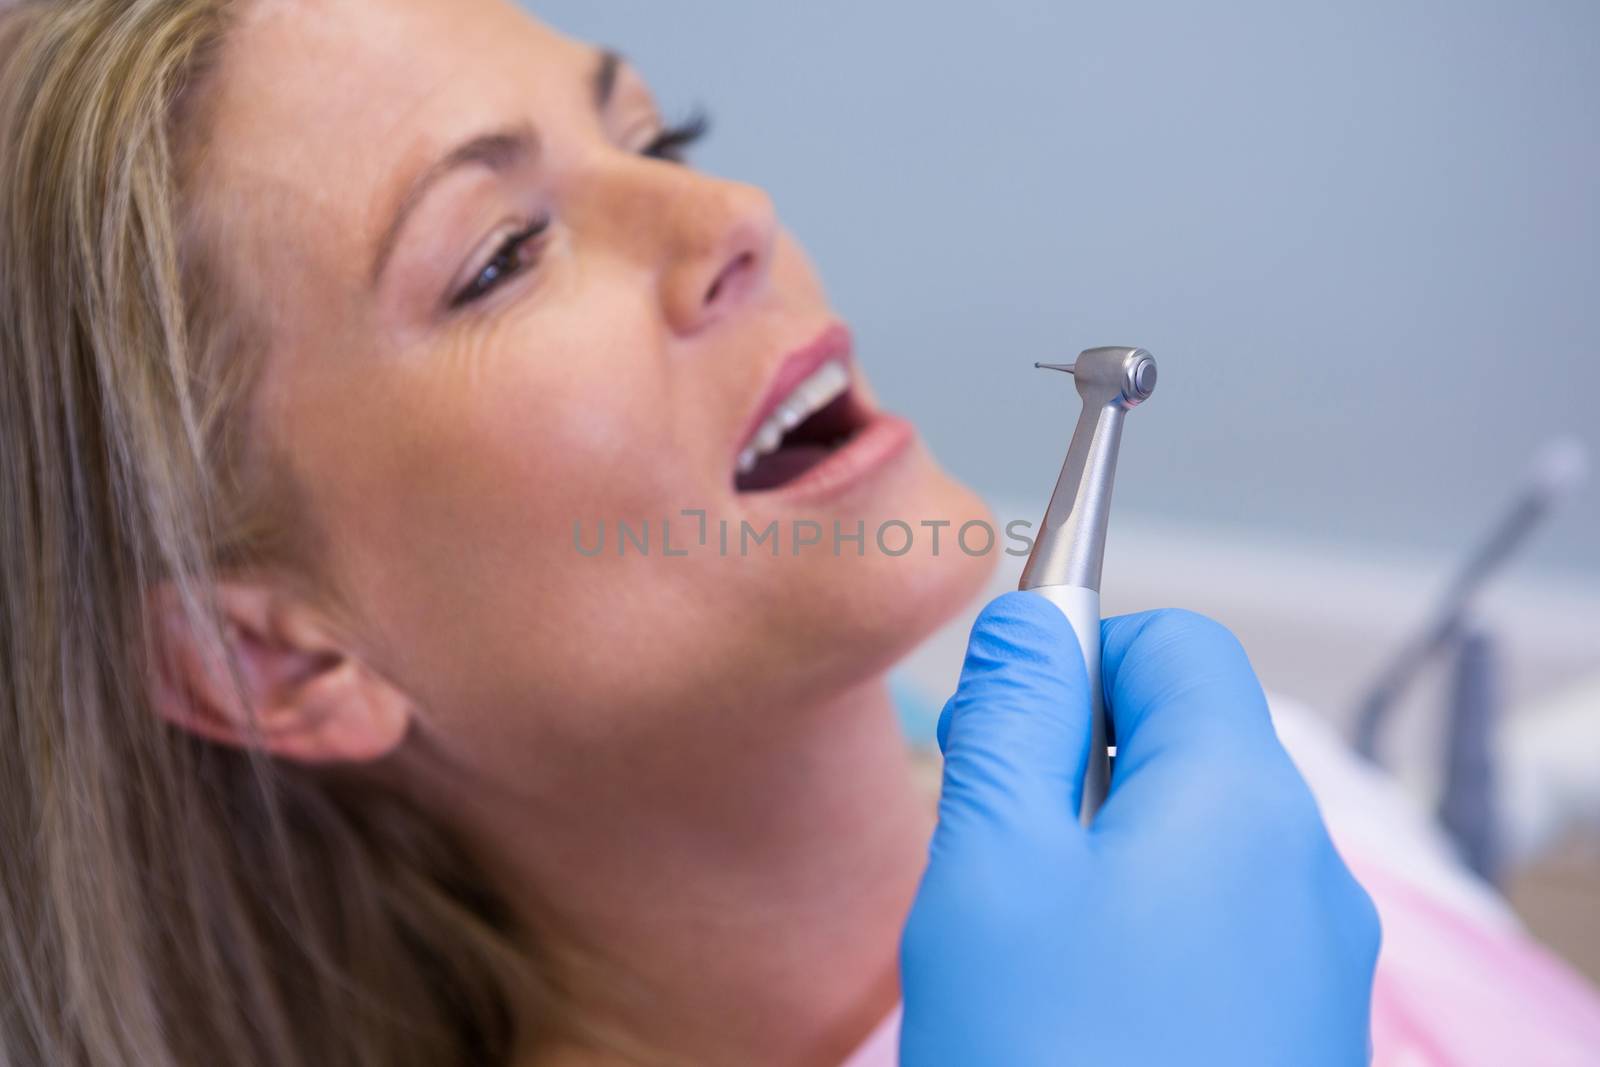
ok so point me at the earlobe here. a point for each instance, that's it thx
(303, 695)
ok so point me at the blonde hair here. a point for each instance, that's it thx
(166, 901)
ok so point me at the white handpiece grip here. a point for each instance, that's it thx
(1082, 609)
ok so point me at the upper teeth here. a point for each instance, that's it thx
(825, 385)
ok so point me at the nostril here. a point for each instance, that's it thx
(741, 263)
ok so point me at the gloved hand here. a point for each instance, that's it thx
(1204, 918)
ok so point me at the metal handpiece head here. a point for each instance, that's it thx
(1131, 372)
(1070, 548)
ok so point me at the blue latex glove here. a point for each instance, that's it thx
(1203, 919)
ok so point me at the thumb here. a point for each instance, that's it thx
(1015, 735)
(1193, 727)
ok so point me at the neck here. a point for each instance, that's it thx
(738, 907)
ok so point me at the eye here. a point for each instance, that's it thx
(672, 144)
(519, 251)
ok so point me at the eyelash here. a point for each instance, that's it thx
(672, 144)
(520, 250)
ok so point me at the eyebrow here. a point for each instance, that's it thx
(605, 77)
(498, 150)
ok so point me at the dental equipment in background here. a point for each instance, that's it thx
(1065, 564)
(1467, 806)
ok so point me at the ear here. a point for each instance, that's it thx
(305, 696)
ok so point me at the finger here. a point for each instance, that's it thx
(1180, 687)
(1015, 735)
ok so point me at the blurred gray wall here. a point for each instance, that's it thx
(1362, 237)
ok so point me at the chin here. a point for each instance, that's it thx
(869, 611)
(932, 589)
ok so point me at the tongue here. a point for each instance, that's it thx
(781, 467)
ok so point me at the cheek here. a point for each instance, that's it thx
(450, 486)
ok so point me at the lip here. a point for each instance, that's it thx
(881, 439)
(833, 343)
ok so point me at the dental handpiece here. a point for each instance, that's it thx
(1064, 566)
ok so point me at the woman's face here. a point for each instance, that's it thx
(500, 321)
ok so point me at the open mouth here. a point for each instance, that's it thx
(818, 418)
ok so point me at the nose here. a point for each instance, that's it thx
(721, 254)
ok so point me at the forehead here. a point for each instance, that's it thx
(321, 108)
